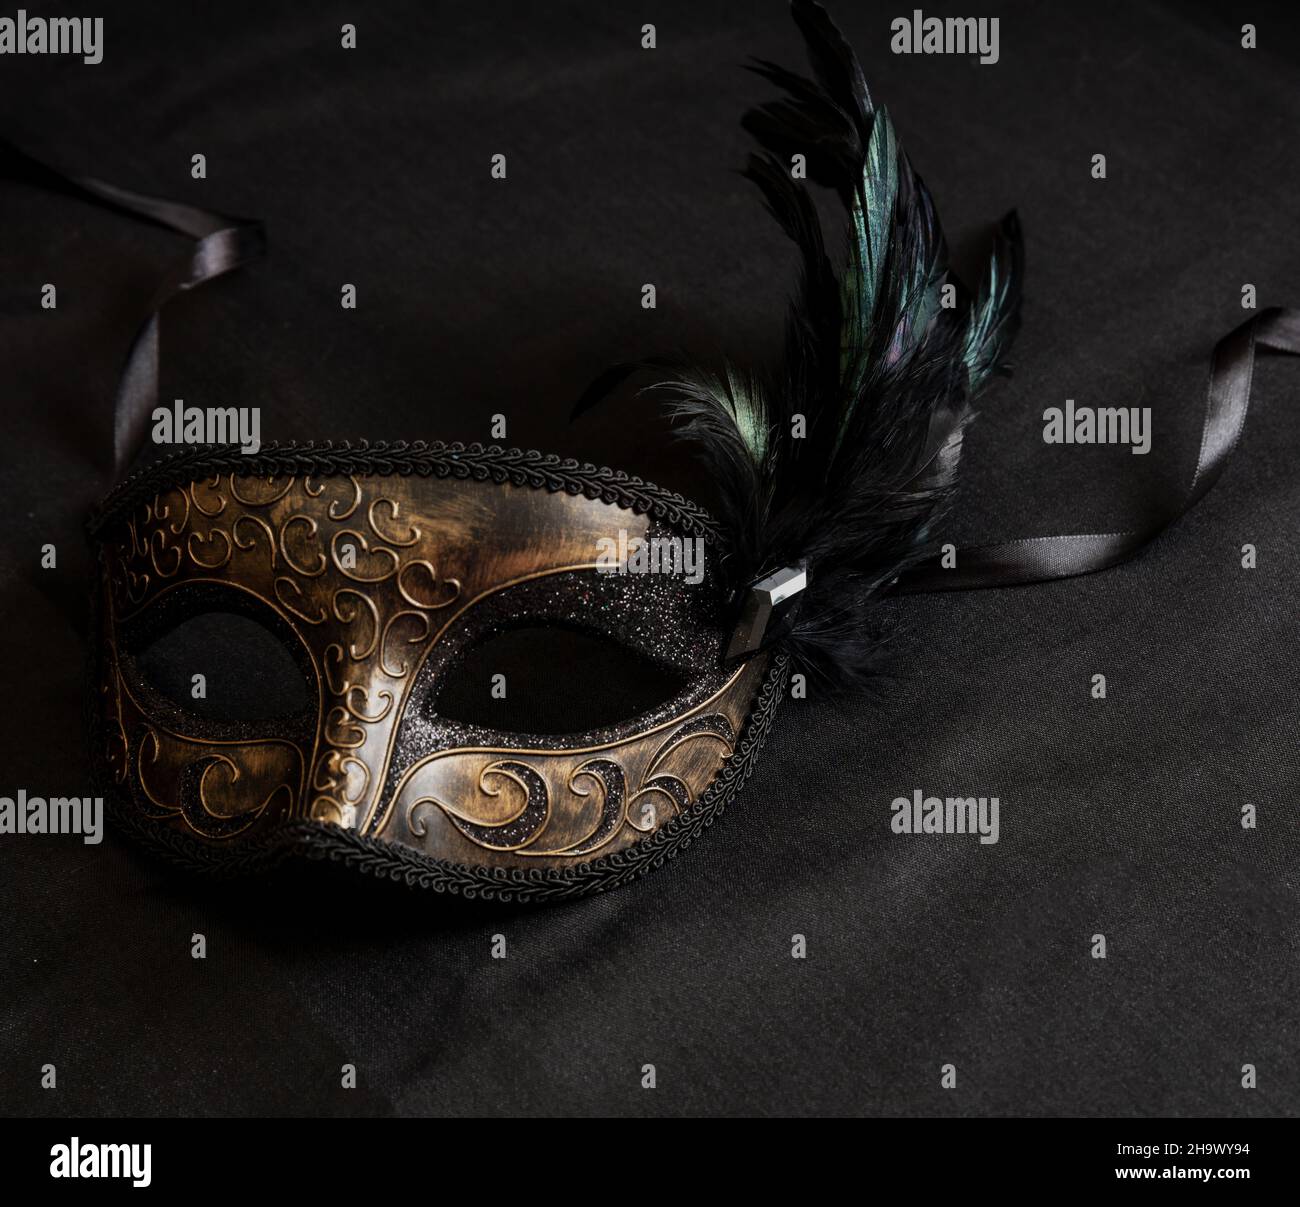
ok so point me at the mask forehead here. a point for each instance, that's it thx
(369, 573)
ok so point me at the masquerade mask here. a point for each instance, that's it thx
(379, 574)
(381, 571)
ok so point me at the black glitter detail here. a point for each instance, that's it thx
(520, 830)
(713, 722)
(614, 785)
(671, 787)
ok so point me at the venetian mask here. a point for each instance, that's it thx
(379, 585)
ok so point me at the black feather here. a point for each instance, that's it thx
(845, 454)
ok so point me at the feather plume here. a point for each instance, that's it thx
(880, 370)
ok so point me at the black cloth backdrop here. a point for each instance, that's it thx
(1118, 817)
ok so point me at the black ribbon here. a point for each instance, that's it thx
(222, 243)
(1043, 558)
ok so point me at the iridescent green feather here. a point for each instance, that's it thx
(994, 316)
(872, 224)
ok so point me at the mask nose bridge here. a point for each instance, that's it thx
(362, 702)
(379, 611)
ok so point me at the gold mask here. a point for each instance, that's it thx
(381, 571)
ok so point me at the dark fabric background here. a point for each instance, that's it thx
(476, 296)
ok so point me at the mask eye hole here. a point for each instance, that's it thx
(247, 673)
(553, 680)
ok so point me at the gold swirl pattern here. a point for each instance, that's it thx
(558, 805)
(364, 604)
(394, 507)
(289, 559)
(334, 513)
(359, 547)
(214, 485)
(197, 539)
(216, 791)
